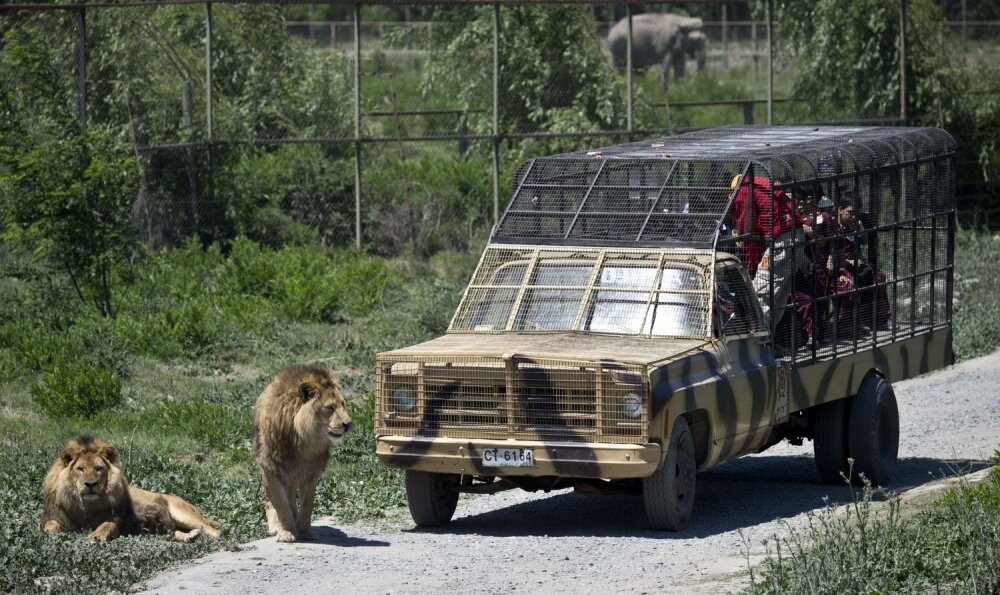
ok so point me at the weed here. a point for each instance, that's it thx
(862, 548)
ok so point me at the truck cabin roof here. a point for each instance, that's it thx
(677, 191)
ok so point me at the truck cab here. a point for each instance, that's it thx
(615, 338)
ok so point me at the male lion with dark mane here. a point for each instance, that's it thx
(295, 420)
(87, 490)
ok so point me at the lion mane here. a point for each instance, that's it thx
(295, 420)
(86, 490)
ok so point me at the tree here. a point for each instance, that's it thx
(848, 68)
(65, 191)
(847, 55)
(553, 75)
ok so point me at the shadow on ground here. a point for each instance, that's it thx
(333, 536)
(742, 493)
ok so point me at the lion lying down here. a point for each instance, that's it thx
(86, 490)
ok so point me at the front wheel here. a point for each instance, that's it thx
(668, 494)
(873, 433)
(432, 497)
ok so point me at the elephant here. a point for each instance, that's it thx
(664, 40)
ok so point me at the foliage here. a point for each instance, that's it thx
(77, 390)
(977, 326)
(553, 74)
(68, 201)
(184, 425)
(267, 202)
(848, 55)
(427, 203)
(65, 191)
(952, 546)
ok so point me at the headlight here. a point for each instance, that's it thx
(404, 399)
(632, 405)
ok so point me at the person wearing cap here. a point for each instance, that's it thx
(765, 216)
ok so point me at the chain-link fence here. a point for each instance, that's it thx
(395, 126)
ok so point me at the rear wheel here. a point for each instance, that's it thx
(668, 494)
(830, 441)
(432, 497)
(874, 431)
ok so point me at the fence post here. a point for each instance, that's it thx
(965, 39)
(628, 68)
(496, 113)
(208, 105)
(208, 72)
(903, 115)
(770, 62)
(81, 67)
(725, 38)
(357, 124)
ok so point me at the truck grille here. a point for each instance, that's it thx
(511, 398)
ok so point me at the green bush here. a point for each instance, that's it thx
(77, 390)
(426, 204)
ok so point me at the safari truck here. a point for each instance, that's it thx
(627, 326)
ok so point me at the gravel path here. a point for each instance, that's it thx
(565, 542)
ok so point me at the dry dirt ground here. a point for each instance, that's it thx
(567, 542)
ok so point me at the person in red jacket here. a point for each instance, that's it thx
(765, 215)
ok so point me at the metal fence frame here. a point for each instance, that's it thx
(496, 136)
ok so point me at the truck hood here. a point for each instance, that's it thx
(565, 346)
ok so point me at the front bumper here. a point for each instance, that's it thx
(559, 459)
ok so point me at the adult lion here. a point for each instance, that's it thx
(87, 490)
(295, 420)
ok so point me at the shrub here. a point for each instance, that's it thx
(426, 204)
(77, 390)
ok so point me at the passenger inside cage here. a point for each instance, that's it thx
(812, 285)
(765, 216)
(862, 298)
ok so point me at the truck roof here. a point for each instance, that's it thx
(677, 190)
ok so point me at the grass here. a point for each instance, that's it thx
(953, 545)
(200, 333)
(188, 383)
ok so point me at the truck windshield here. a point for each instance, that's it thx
(607, 292)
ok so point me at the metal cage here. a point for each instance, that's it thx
(888, 274)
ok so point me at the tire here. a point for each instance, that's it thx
(431, 497)
(830, 445)
(874, 431)
(668, 494)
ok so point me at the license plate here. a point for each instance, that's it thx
(508, 457)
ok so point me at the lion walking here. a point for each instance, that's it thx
(87, 490)
(295, 420)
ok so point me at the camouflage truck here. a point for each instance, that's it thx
(620, 333)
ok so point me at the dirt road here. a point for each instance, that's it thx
(566, 542)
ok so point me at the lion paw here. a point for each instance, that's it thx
(306, 534)
(187, 537)
(100, 535)
(286, 536)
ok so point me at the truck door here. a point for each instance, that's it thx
(747, 383)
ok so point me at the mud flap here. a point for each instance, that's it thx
(782, 383)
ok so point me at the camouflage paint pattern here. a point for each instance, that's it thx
(442, 403)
